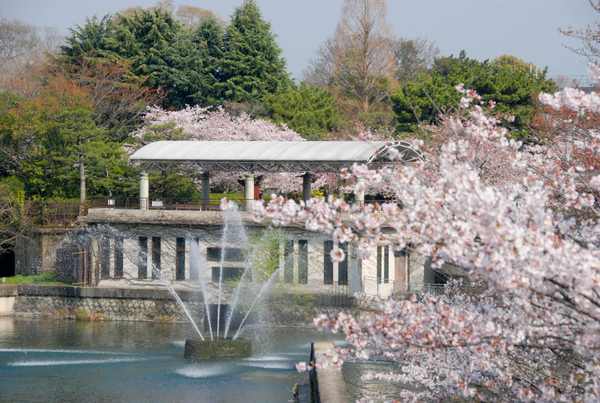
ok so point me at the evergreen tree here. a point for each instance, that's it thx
(507, 83)
(209, 37)
(252, 65)
(90, 39)
(306, 110)
(160, 48)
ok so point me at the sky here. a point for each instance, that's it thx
(485, 29)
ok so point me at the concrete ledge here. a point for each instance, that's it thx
(8, 290)
(8, 294)
(153, 216)
(94, 292)
(327, 384)
(163, 217)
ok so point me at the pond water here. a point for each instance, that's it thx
(74, 361)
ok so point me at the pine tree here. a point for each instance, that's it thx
(162, 49)
(208, 36)
(252, 65)
(306, 110)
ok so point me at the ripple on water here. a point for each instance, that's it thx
(266, 358)
(270, 365)
(203, 370)
(41, 350)
(39, 363)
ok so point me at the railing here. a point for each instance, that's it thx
(394, 289)
(120, 202)
(127, 202)
(124, 202)
(51, 213)
(339, 296)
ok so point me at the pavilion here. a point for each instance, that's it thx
(266, 156)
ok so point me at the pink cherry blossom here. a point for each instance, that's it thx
(522, 224)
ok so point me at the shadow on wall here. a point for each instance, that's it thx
(7, 262)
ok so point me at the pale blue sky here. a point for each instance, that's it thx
(484, 28)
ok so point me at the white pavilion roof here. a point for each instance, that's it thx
(268, 156)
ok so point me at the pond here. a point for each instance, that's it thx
(66, 360)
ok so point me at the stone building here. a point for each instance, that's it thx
(124, 239)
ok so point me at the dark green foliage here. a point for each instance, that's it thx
(160, 48)
(173, 186)
(188, 65)
(422, 101)
(508, 81)
(77, 140)
(90, 39)
(208, 37)
(72, 139)
(252, 65)
(307, 110)
(159, 51)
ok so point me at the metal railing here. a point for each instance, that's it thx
(339, 296)
(125, 202)
(128, 202)
(394, 289)
(51, 213)
(119, 202)
(390, 288)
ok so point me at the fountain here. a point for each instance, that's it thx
(249, 370)
(224, 319)
(222, 347)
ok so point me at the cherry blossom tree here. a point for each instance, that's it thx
(527, 228)
(486, 156)
(589, 37)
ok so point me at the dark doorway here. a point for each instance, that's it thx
(7, 262)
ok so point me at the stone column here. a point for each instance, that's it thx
(355, 271)
(205, 190)
(359, 191)
(249, 191)
(306, 191)
(144, 191)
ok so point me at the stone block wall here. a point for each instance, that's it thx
(105, 304)
(300, 309)
(91, 303)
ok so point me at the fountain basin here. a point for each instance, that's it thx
(218, 349)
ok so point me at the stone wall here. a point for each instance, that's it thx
(104, 303)
(327, 384)
(36, 252)
(95, 303)
(300, 309)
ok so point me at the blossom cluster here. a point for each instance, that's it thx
(525, 225)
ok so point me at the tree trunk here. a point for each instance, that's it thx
(81, 185)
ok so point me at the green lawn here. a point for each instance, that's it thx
(48, 278)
